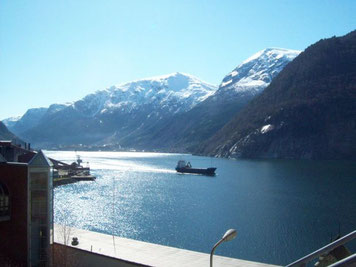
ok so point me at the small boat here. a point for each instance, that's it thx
(183, 167)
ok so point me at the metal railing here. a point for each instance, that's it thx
(324, 250)
(349, 261)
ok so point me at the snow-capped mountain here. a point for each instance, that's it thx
(10, 122)
(307, 112)
(116, 112)
(174, 93)
(256, 73)
(245, 82)
(170, 112)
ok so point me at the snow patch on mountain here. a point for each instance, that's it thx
(11, 119)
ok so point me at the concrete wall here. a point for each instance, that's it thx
(70, 256)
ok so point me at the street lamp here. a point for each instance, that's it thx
(229, 235)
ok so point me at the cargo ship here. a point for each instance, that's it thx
(184, 167)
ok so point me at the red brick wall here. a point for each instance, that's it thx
(13, 233)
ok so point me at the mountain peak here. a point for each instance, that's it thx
(273, 52)
(175, 76)
(175, 82)
(307, 112)
(176, 91)
(256, 72)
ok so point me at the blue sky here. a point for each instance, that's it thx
(60, 51)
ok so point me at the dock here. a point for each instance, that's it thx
(72, 179)
(97, 249)
(70, 173)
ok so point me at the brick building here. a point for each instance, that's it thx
(26, 207)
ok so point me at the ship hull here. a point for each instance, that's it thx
(208, 171)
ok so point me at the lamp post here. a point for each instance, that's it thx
(229, 235)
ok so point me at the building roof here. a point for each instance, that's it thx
(40, 160)
(26, 158)
(5, 142)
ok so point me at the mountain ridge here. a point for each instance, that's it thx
(300, 114)
(172, 112)
(115, 112)
(183, 132)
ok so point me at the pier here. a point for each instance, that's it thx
(70, 173)
(72, 179)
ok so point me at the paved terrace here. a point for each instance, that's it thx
(142, 253)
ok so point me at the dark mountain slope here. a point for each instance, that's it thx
(5, 134)
(28, 120)
(185, 130)
(308, 111)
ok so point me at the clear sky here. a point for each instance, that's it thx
(60, 51)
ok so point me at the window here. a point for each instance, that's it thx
(4, 203)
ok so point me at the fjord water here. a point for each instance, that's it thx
(281, 209)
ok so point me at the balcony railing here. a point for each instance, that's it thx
(324, 250)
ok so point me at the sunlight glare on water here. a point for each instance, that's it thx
(282, 209)
(123, 161)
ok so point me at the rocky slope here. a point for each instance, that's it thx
(308, 111)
